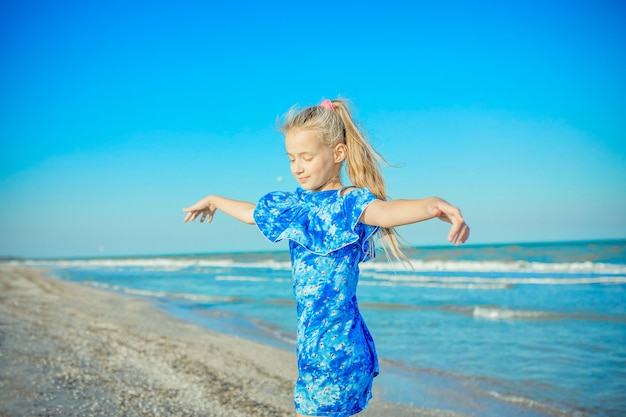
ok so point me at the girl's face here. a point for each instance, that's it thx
(314, 165)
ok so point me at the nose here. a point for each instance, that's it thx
(296, 168)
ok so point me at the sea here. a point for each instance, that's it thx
(528, 329)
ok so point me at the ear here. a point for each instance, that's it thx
(341, 152)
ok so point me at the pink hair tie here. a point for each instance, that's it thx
(327, 104)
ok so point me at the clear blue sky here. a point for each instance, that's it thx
(115, 115)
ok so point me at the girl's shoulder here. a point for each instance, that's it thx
(353, 195)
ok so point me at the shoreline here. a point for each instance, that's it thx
(68, 350)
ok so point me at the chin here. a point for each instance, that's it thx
(309, 187)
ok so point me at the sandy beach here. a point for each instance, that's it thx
(72, 350)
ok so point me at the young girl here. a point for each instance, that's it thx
(330, 229)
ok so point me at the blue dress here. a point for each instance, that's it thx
(337, 359)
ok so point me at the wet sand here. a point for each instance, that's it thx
(71, 350)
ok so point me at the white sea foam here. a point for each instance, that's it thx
(158, 264)
(435, 284)
(487, 282)
(180, 263)
(527, 402)
(498, 313)
(249, 278)
(163, 294)
(241, 278)
(499, 266)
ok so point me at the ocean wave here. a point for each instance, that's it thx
(176, 264)
(435, 284)
(275, 331)
(241, 278)
(490, 312)
(527, 402)
(496, 313)
(247, 278)
(586, 267)
(484, 282)
(483, 312)
(164, 294)
(156, 264)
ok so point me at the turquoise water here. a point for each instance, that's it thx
(491, 330)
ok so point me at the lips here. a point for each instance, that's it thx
(303, 179)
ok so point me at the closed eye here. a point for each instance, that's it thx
(306, 157)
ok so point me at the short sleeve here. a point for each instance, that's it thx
(322, 222)
(355, 203)
(274, 213)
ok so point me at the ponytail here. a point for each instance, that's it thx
(363, 170)
(334, 121)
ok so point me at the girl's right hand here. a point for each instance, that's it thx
(203, 208)
(206, 208)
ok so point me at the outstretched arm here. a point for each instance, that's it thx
(206, 208)
(400, 212)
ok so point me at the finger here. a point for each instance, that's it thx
(466, 234)
(454, 232)
(457, 231)
(463, 234)
(459, 237)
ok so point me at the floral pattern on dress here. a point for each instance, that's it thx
(337, 358)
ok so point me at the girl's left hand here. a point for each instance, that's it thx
(459, 232)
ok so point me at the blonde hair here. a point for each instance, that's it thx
(336, 125)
